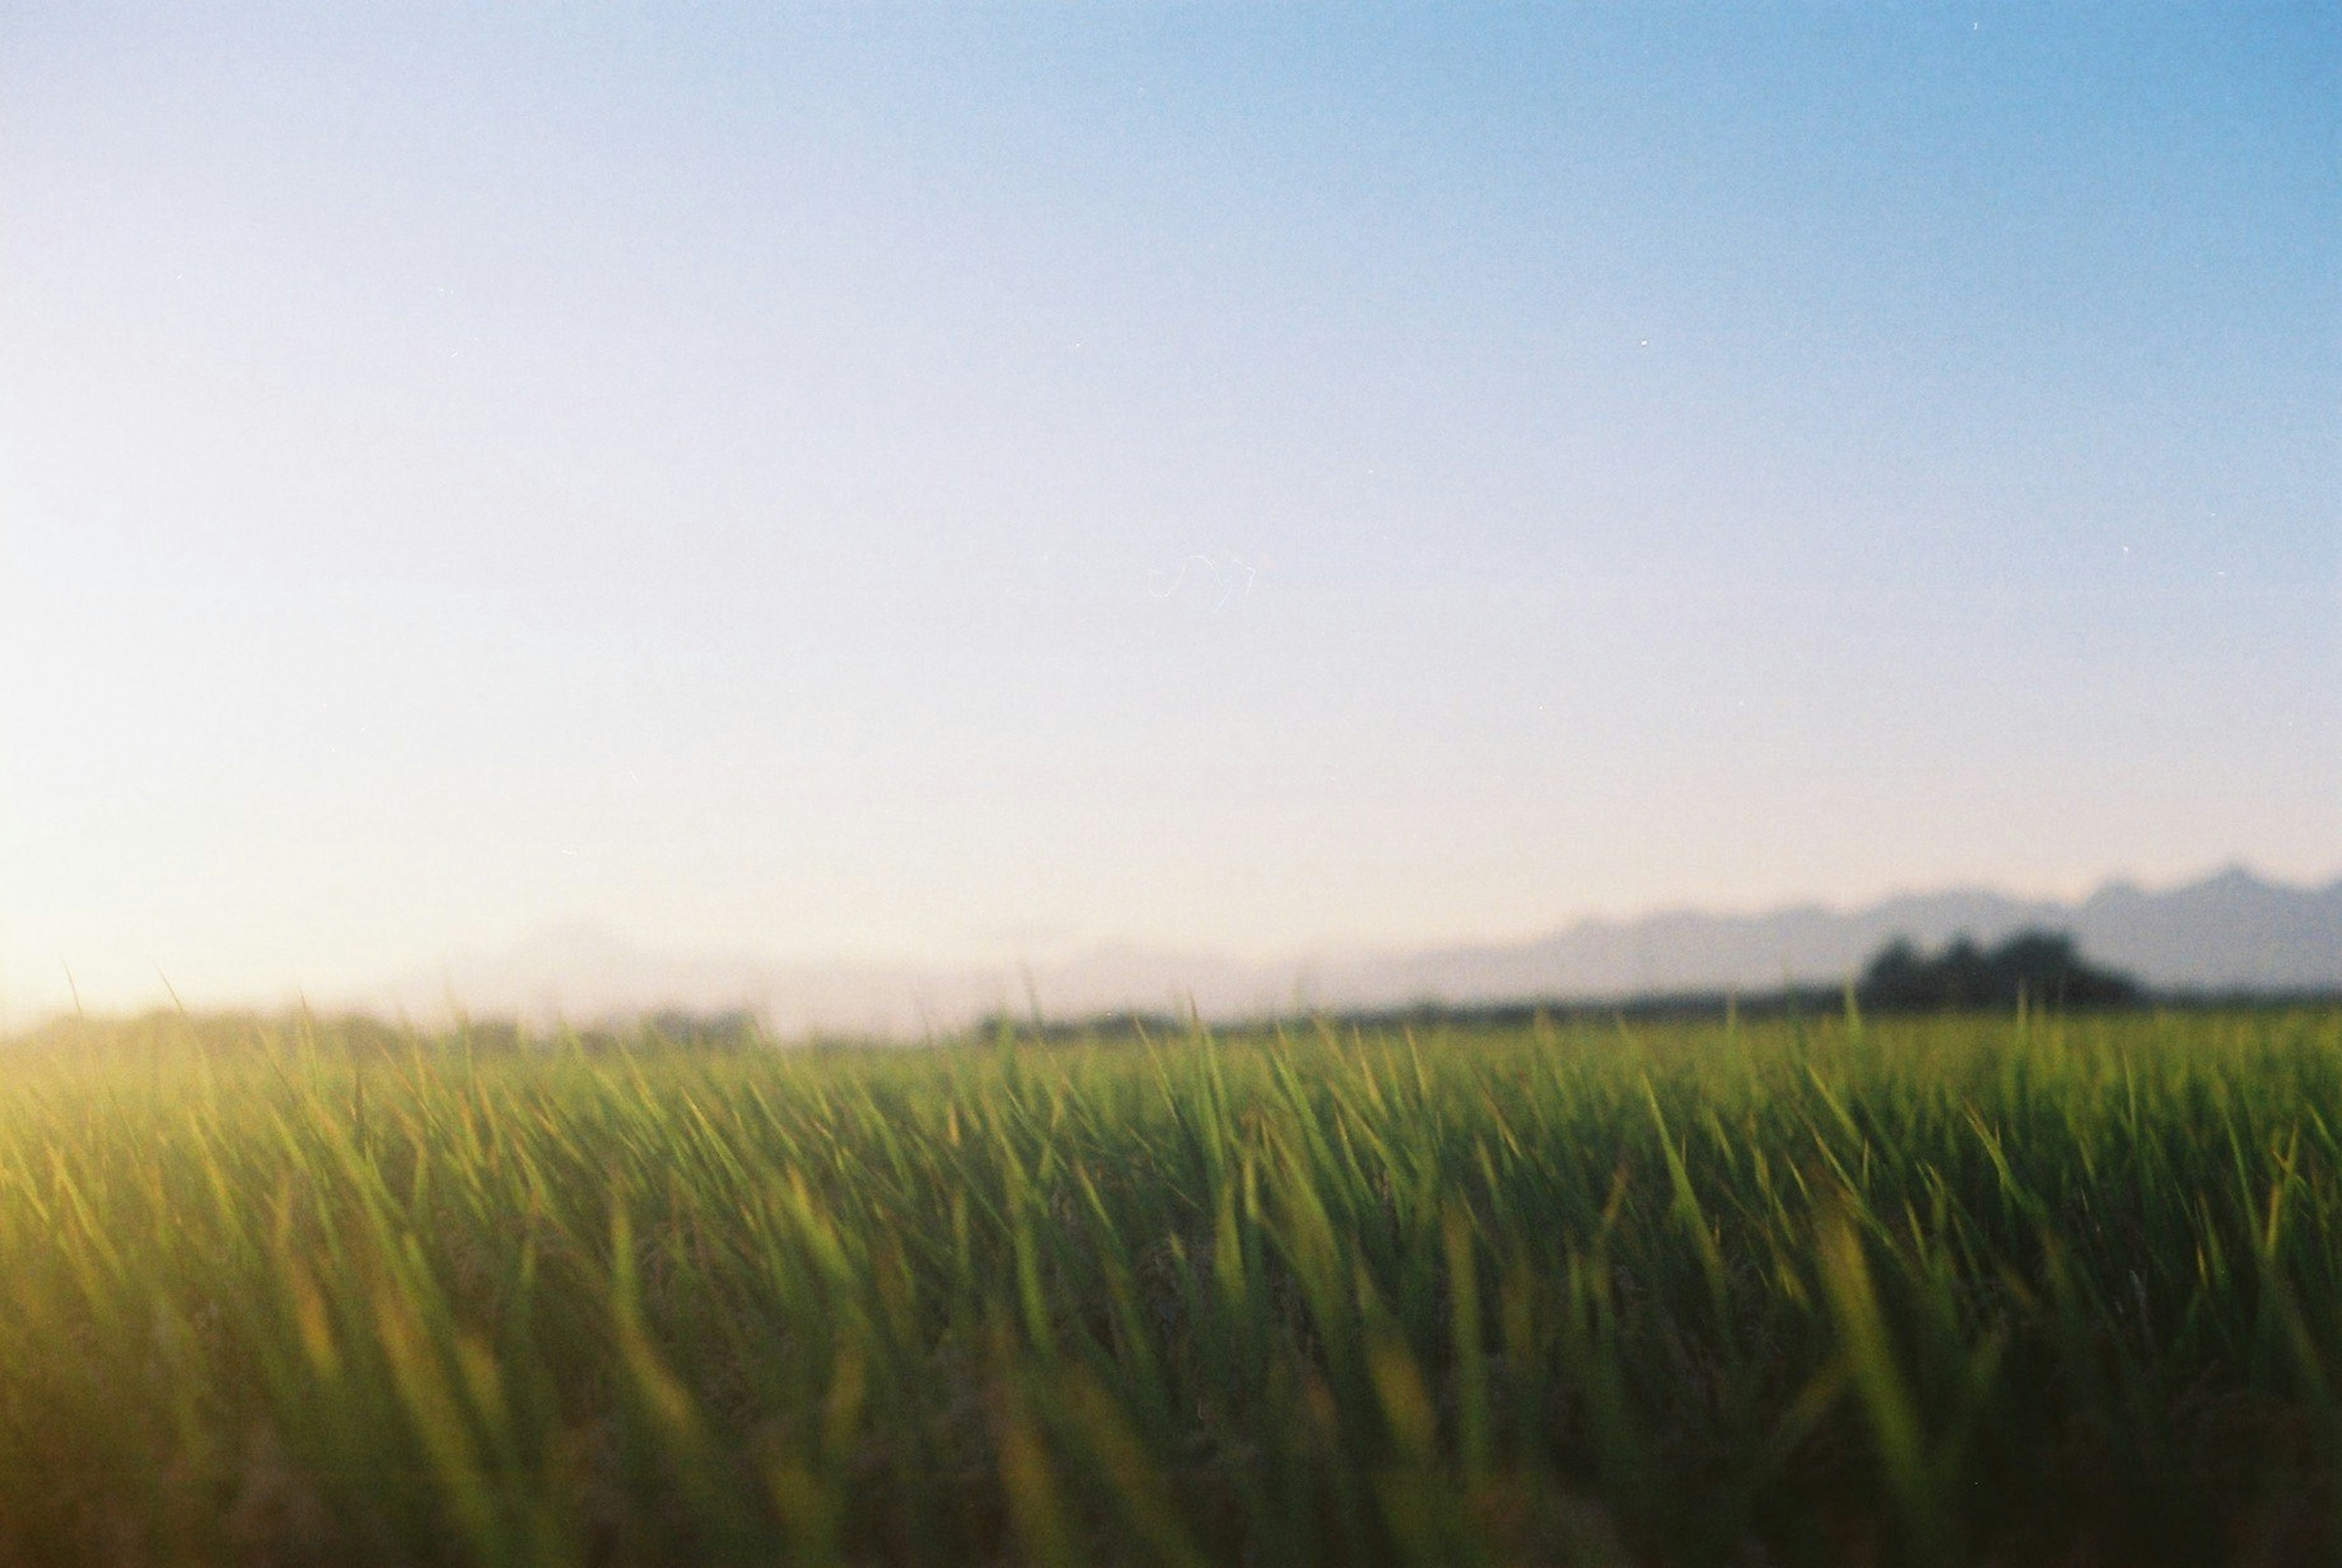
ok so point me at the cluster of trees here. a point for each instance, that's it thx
(2043, 967)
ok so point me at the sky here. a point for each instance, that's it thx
(927, 483)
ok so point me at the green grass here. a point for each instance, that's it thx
(1957, 1291)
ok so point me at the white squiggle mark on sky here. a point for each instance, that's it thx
(1219, 569)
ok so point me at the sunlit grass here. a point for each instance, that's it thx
(2046, 1290)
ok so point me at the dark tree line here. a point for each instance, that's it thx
(2043, 967)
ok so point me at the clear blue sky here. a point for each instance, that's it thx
(925, 483)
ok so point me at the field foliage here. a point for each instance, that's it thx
(1924, 1291)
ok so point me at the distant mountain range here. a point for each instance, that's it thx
(2231, 931)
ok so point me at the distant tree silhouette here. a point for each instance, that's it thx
(2045, 967)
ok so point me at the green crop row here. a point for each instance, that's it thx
(1968, 1290)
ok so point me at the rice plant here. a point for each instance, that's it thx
(2030, 1289)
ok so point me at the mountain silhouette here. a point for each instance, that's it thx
(2230, 932)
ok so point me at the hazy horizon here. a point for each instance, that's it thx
(2228, 931)
(919, 483)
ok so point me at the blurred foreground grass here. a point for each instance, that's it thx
(1927, 1292)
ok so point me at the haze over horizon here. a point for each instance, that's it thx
(920, 483)
(2229, 932)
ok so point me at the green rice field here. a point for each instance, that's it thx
(2000, 1290)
